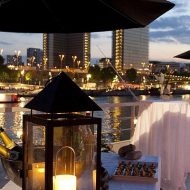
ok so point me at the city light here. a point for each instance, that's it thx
(74, 57)
(1, 51)
(61, 56)
(17, 53)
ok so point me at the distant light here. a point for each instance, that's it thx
(2, 97)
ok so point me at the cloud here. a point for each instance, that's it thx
(173, 29)
(165, 51)
(19, 41)
(94, 35)
(5, 43)
(101, 44)
(166, 39)
(181, 8)
(100, 35)
(167, 29)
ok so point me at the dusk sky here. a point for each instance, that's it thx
(169, 36)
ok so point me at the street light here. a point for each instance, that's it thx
(86, 66)
(74, 57)
(150, 68)
(88, 76)
(22, 75)
(32, 60)
(167, 67)
(143, 64)
(78, 63)
(50, 75)
(61, 56)
(1, 51)
(17, 56)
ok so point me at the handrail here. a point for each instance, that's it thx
(105, 107)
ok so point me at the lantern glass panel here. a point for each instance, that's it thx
(36, 157)
(82, 141)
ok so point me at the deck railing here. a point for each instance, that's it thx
(121, 119)
(118, 120)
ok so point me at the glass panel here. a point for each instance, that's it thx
(36, 157)
(73, 156)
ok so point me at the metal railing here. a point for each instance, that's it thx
(121, 120)
(118, 121)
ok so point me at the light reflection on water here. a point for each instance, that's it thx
(113, 119)
(12, 121)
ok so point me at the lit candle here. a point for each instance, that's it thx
(38, 175)
(94, 179)
(66, 182)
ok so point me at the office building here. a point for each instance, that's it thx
(130, 49)
(14, 60)
(104, 62)
(66, 50)
(34, 57)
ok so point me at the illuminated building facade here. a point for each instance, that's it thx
(130, 48)
(14, 60)
(117, 49)
(105, 62)
(34, 56)
(66, 50)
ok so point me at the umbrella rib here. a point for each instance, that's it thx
(120, 13)
(131, 92)
(52, 13)
(4, 1)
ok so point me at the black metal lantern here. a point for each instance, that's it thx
(62, 147)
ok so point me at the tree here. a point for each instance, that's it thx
(28, 77)
(131, 75)
(2, 60)
(95, 72)
(107, 74)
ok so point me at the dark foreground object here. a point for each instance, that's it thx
(13, 170)
(128, 152)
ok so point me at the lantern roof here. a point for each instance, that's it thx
(61, 95)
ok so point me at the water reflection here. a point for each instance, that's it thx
(115, 120)
(12, 121)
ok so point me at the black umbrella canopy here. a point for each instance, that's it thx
(185, 55)
(62, 95)
(56, 16)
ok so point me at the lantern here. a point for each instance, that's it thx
(61, 146)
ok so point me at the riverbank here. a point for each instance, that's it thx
(137, 92)
(123, 92)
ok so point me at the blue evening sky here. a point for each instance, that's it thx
(169, 36)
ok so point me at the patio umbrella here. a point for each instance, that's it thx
(185, 55)
(69, 16)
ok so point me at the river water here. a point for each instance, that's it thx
(114, 120)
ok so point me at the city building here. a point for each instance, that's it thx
(34, 57)
(14, 60)
(158, 66)
(130, 49)
(104, 62)
(186, 67)
(66, 50)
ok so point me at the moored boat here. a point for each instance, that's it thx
(9, 98)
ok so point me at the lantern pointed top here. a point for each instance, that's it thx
(62, 95)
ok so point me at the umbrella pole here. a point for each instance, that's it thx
(132, 93)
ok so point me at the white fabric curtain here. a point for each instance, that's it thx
(163, 129)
